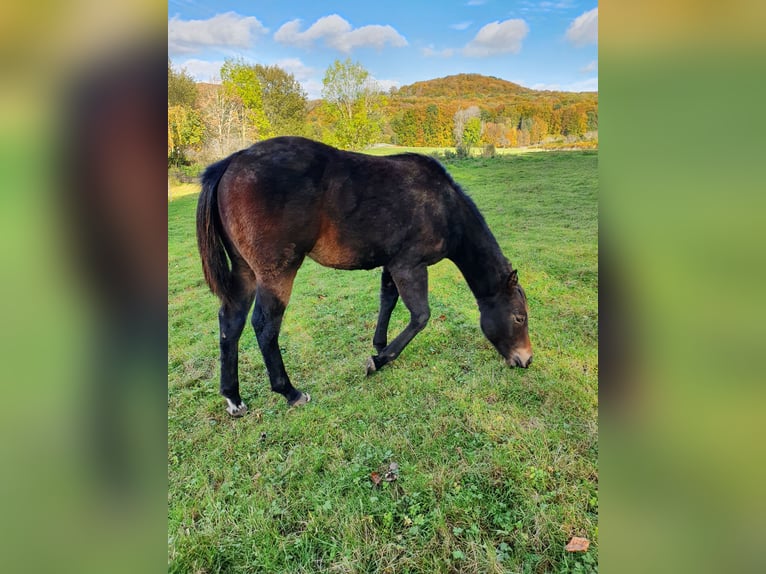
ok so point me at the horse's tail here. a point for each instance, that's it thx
(210, 234)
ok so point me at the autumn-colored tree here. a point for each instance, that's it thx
(538, 130)
(511, 136)
(554, 126)
(574, 121)
(494, 134)
(219, 114)
(185, 129)
(522, 137)
(437, 126)
(185, 132)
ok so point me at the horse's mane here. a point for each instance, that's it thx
(439, 169)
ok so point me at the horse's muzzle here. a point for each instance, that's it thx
(521, 359)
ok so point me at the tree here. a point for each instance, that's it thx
(284, 100)
(185, 131)
(219, 115)
(182, 90)
(467, 130)
(436, 127)
(538, 130)
(405, 127)
(354, 102)
(494, 134)
(574, 120)
(472, 132)
(241, 85)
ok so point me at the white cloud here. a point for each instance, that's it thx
(229, 30)
(498, 38)
(313, 88)
(304, 75)
(589, 85)
(386, 85)
(338, 33)
(430, 52)
(461, 25)
(590, 67)
(584, 29)
(297, 68)
(201, 70)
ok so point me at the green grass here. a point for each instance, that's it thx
(497, 466)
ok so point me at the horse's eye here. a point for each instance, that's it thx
(519, 319)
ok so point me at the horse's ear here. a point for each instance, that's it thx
(513, 278)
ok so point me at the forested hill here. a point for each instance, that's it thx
(426, 113)
(462, 86)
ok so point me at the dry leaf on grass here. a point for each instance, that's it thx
(389, 474)
(393, 472)
(578, 544)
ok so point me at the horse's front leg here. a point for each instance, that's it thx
(270, 302)
(412, 284)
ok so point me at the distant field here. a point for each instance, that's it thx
(497, 467)
(183, 189)
(390, 150)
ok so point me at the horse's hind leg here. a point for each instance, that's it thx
(412, 284)
(271, 299)
(389, 295)
(232, 317)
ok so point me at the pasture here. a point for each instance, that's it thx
(495, 468)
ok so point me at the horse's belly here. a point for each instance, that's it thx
(331, 251)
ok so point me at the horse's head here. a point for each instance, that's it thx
(504, 322)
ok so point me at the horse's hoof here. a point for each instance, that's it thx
(235, 410)
(302, 400)
(371, 368)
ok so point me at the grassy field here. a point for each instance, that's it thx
(497, 468)
(388, 150)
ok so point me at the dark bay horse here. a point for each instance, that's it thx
(264, 209)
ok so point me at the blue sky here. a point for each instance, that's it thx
(550, 44)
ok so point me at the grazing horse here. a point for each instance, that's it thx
(264, 209)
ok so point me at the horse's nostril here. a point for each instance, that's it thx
(529, 362)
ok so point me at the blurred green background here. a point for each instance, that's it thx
(682, 220)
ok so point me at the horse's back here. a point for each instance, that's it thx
(285, 198)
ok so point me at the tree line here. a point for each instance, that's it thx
(254, 102)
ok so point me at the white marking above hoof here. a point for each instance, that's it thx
(370, 366)
(305, 398)
(234, 410)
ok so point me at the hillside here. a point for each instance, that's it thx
(424, 113)
(462, 86)
(476, 89)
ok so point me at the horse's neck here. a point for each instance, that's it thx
(479, 258)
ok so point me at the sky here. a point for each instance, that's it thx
(545, 45)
